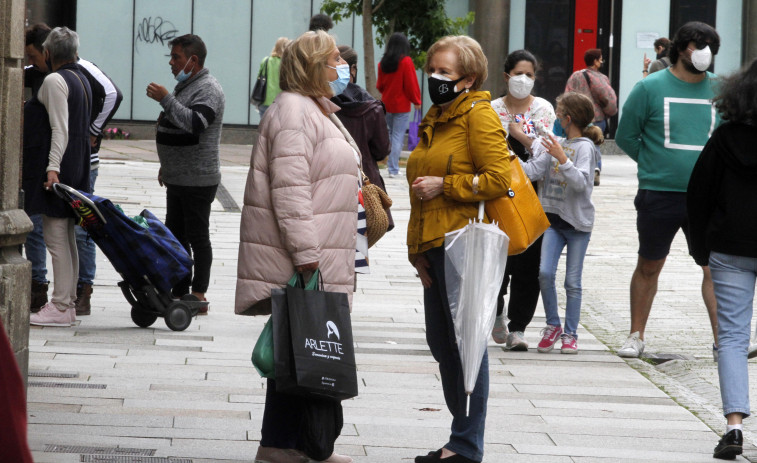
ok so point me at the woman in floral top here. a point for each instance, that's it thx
(524, 117)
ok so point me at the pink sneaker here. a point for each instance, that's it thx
(569, 344)
(49, 315)
(549, 336)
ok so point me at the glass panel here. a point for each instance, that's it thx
(291, 20)
(107, 43)
(156, 24)
(683, 11)
(227, 37)
(549, 37)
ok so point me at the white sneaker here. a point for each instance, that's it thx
(499, 332)
(49, 315)
(516, 341)
(633, 346)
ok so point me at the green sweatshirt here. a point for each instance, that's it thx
(272, 79)
(664, 126)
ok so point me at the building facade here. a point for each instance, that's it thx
(128, 39)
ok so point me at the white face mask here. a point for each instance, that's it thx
(701, 59)
(520, 86)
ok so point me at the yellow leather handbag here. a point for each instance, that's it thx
(519, 213)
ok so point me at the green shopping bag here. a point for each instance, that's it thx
(262, 354)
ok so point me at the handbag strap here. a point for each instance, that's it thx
(588, 79)
(264, 71)
(86, 97)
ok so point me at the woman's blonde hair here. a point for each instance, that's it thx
(279, 46)
(303, 65)
(581, 111)
(470, 57)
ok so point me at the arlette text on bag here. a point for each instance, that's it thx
(326, 348)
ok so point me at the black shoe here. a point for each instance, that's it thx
(729, 445)
(434, 457)
(38, 296)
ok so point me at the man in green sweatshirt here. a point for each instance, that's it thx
(666, 121)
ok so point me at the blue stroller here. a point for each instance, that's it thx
(150, 260)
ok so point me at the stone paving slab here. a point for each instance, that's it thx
(194, 394)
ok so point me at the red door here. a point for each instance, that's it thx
(584, 31)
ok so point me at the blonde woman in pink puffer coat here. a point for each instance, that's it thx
(300, 212)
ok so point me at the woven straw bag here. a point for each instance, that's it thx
(375, 200)
(376, 203)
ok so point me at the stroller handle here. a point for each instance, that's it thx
(67, 193)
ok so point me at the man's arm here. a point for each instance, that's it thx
(632, 122)
(103, 89)
(193, 119)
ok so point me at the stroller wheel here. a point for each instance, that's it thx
(178, 317)
(141, 317)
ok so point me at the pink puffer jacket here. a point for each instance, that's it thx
(300, 203)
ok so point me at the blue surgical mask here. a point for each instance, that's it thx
(183, 75)
(343, 78)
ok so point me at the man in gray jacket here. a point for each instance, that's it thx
(188, 139)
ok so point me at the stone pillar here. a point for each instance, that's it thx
(15, 271)
(749, 28)
(492, 30)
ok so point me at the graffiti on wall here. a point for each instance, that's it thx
(154, 31)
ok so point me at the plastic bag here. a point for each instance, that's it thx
(262, 354)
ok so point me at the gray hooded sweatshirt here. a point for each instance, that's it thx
(565, 189)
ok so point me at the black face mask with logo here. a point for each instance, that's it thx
(442, 91)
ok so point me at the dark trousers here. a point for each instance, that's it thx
(467, 432)
(307, 424)
(188, 218)
(522, 274)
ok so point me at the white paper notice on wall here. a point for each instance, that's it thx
(646, 39)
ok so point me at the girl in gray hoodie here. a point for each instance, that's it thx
(564, 168)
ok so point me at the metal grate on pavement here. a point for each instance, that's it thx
(58, 448)
(130, 459)
(52, 374)
(66, 385)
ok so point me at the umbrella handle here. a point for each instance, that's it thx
(480, 211)
(467, 405)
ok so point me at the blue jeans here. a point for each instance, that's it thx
(733, 278)
(36, 251)
(554, 242)
(85, 246)
(467, 432)
(397, 124)
(261, 110)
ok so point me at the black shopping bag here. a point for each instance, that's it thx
(312, 334)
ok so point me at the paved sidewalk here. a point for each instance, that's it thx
(106, 390)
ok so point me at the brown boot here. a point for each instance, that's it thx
(39, 296)
(83, 295)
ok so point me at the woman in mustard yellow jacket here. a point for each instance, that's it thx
(461, 136)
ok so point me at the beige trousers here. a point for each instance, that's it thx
(60, 240)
